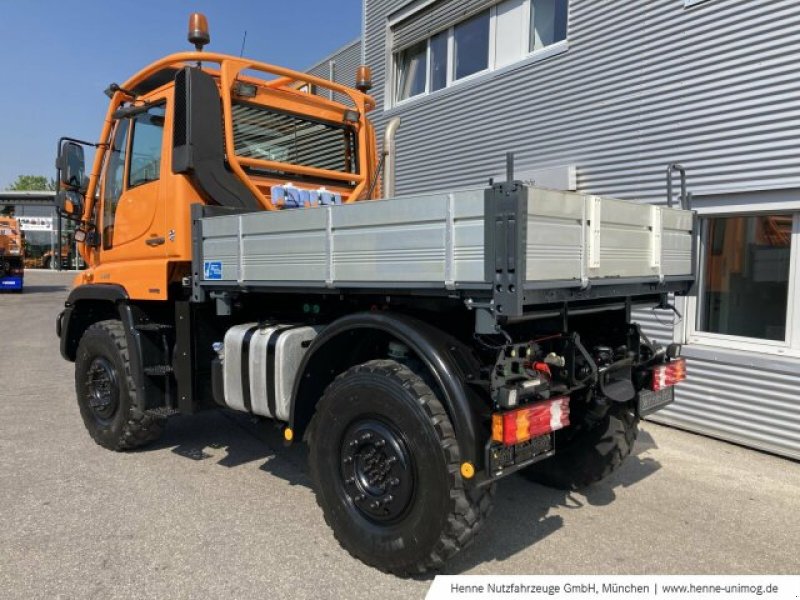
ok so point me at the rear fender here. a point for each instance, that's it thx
(448, 361)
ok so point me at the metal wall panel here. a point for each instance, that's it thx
(642, 84)
(728, 401)
(432, 19)
(343, 62)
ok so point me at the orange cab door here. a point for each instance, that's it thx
(133, 224)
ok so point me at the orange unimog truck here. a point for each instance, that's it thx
(12, 255)
(240, 256)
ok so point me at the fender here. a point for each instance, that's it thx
(436, 349)
(93, 302)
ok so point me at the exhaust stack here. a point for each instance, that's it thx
(389, 152)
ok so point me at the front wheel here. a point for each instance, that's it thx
(591, 454)
(106, 392)
(385, 464)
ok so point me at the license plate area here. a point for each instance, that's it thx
(503, 460)
(650, 401)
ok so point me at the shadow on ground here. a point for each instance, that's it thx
(521, 516)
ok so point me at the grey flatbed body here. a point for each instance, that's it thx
(444, 242)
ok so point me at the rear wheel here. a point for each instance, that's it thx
(106, 391)
(385, 464)
(590, 455)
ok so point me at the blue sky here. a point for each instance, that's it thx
(57, 57)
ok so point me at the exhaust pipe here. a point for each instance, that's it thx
(389, 153)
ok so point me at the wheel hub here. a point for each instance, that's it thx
(377, 470)
(102, 389)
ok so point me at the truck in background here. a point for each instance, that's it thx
(12, 255)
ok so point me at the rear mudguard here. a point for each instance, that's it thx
(447, 359)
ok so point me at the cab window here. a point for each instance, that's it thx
(148, 132)
(114, 180)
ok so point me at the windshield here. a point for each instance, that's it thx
(266, 134)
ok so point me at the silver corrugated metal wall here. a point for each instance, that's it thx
(641, 85)
(342, 64)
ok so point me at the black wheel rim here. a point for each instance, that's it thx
(377, 471)
(102, 390)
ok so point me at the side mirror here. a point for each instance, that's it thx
(71, 165)
(69, 203)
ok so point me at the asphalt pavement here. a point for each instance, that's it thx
(218, 508)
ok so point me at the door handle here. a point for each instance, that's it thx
(155, 241)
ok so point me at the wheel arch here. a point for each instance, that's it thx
(351, 340)
(89, 303)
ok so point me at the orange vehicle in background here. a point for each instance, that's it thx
(12, 255)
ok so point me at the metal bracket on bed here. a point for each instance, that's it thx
(505, 242)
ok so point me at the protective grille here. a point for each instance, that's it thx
(265, 134)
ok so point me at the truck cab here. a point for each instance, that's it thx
(200, 128)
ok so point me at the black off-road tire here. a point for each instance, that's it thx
(119, 425)
(592, 454)
(442, 515)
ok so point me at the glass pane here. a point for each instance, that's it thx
(265, 134)
(411, 68)
(548, 22)
(472, 45)
(439, 61)
(112, 188)
(510, 34)
(148, 131)
(746, 276)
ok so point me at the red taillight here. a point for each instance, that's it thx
(668, 374)
(520, 425)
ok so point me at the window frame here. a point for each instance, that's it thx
(527, 55)
(790, 346)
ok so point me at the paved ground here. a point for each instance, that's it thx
(218, 508)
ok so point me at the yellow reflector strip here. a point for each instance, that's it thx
(288, 434)
(497, 427)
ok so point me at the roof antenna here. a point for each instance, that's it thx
(244, 40)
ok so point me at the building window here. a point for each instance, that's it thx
(548, 23)
(411, 71)
(503, 34)
(746, 275)
(471, 45)
(438, 74)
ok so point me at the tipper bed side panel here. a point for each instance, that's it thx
(437, 241)
(555, 236)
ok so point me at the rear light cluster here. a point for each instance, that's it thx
(668, 374)
(530, 421)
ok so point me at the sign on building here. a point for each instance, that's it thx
(35, 223)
